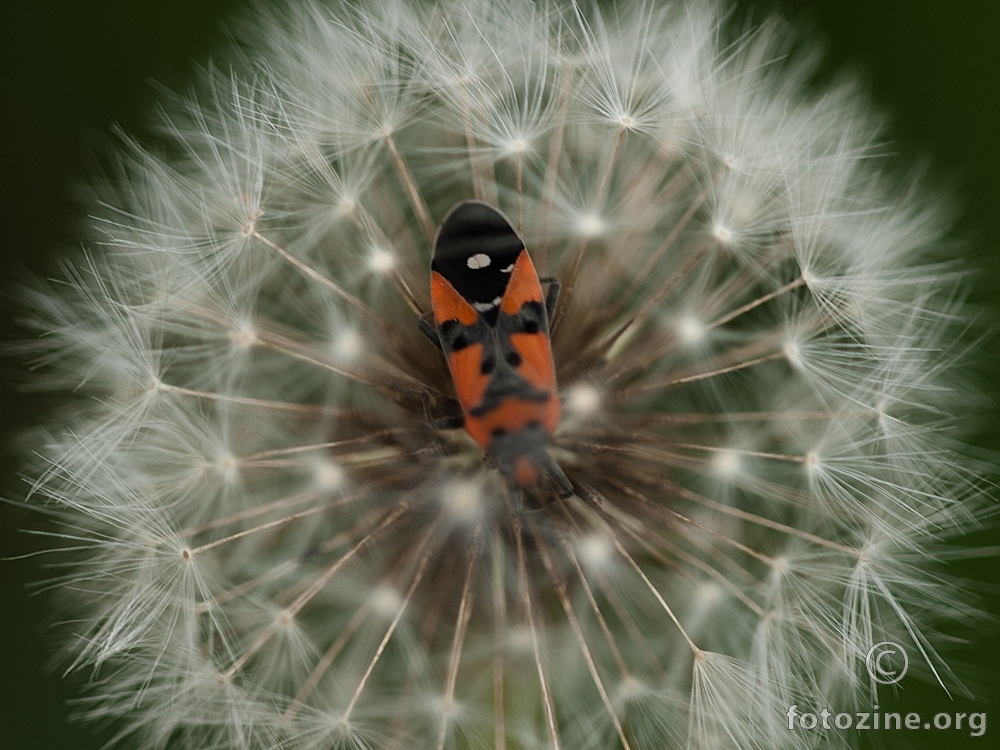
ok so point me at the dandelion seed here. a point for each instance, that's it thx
(590, 225)
(726, 463)
(348, 346)
(690, 329)
(583, 400)
(381, 261)
(329, 476)
(283, 537)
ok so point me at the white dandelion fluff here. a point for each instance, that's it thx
(275, 542)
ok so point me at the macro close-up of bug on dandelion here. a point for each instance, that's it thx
(516, 375)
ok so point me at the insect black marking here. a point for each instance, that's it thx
(471, 230)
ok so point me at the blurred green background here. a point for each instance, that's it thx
(72, 70)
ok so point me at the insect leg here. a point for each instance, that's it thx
(429, 329)
(552, 296)
(562, 482)
(516, 495)
(449, 423)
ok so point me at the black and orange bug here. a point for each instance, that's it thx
(490, 320)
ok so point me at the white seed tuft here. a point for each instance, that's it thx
(690, 329)
(348, 346)
(583, 400)
(590, 225)
(385, 601)
(329, 475)
(726, 463)
(463, 501)
(596, 552)
(381, 261)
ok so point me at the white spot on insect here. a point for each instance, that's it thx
(381, 260)
(508, 269)
(477, 261)
(484, 306)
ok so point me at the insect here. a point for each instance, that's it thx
(492, 323)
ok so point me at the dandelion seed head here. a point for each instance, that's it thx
(282, 535)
